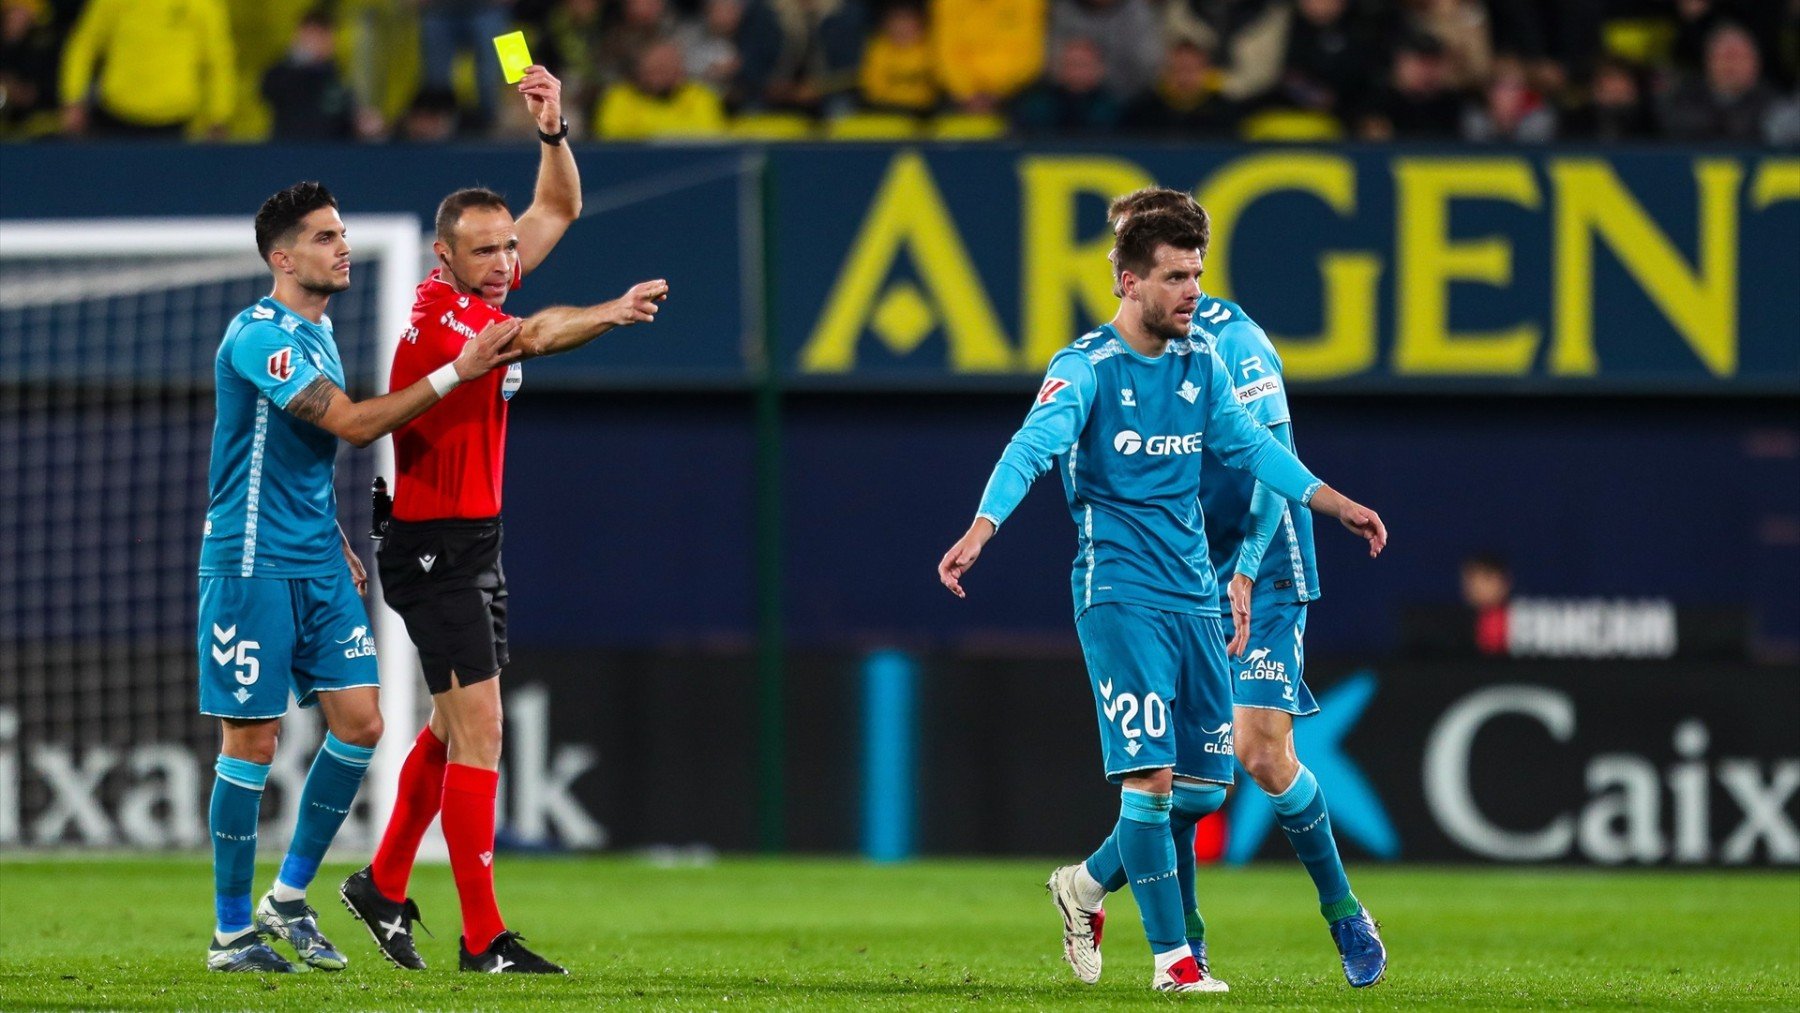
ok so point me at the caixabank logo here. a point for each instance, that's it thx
(1542, 763)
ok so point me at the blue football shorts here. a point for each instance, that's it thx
(1270, 674)
(262, 638)
(1162, 694)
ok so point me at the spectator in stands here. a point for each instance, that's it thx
(659, 101)
(1615, 110)
(164, 64)
(1730, 102)
(432, 118)
(307, 98)
(1185, 102)
(1331, 59)
(1487, 587)
(1461, 28)
(1418, 103)
(637, 25)
(709, 45)
(801, 55)
(1074, 100)
(28, 46)
(449, 27)
(1509, 110)
(1247, 37)
(569, 45)
(1556, 39)
(986, 51)
(896, 70)
(1127, 32)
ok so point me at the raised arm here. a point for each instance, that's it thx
(1053, 425)
(564, 328)
(556, 202)
(360, 423)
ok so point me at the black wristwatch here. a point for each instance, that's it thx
(556, 138)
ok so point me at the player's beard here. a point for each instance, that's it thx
(1162, 324)
(331, 284)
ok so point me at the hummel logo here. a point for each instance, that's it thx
(487, 858)
(397, 927)
(500, 964)
(242, 694)
(1188, 391)
(224, 636)
(426, 560)
(1127, 398)
(1106, 689)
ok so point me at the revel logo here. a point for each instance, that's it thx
(1129, 442)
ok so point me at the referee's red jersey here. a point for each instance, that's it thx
(450, 460)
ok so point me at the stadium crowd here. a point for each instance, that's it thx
(1485, 71)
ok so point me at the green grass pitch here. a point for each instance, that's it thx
(971, 934)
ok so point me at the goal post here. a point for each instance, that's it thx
(108, 330)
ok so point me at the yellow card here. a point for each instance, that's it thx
(514, 56)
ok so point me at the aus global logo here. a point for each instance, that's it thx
(361, 644)
(1219, 743)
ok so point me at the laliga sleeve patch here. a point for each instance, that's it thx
(1047, 393)
(281, 364)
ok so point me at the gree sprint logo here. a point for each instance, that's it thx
(1128, 442)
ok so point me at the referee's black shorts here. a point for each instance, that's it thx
(444, 579)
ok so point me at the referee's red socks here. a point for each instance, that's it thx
(469, 830)
(416, 804)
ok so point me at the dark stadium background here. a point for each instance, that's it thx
(722, 539)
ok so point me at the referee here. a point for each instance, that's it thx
(440, 560)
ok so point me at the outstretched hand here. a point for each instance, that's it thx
(490, 348)
(640, 302)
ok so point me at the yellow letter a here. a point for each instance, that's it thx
(908, 214)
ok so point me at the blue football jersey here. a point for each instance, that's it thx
(272, 511)
(1288, 570)
(1127, 432)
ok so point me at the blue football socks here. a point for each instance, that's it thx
(1300, 811)
(236, 801)
(325, 800)
(1148, 854)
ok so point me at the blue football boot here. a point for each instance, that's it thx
(1358, 941)
(248, 952)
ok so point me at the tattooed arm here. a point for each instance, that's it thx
(360, 423)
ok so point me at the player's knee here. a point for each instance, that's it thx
(1195, 799)
(1156, 782)
(251, 740)
(1268, 761)
(361, 730)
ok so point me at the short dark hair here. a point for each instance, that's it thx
(280, 216)
(1152, 198)
(1137, 241)
(451, 210)
(1493, 562)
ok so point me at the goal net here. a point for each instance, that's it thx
(108, 330)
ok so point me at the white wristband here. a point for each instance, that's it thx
(444, 379)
